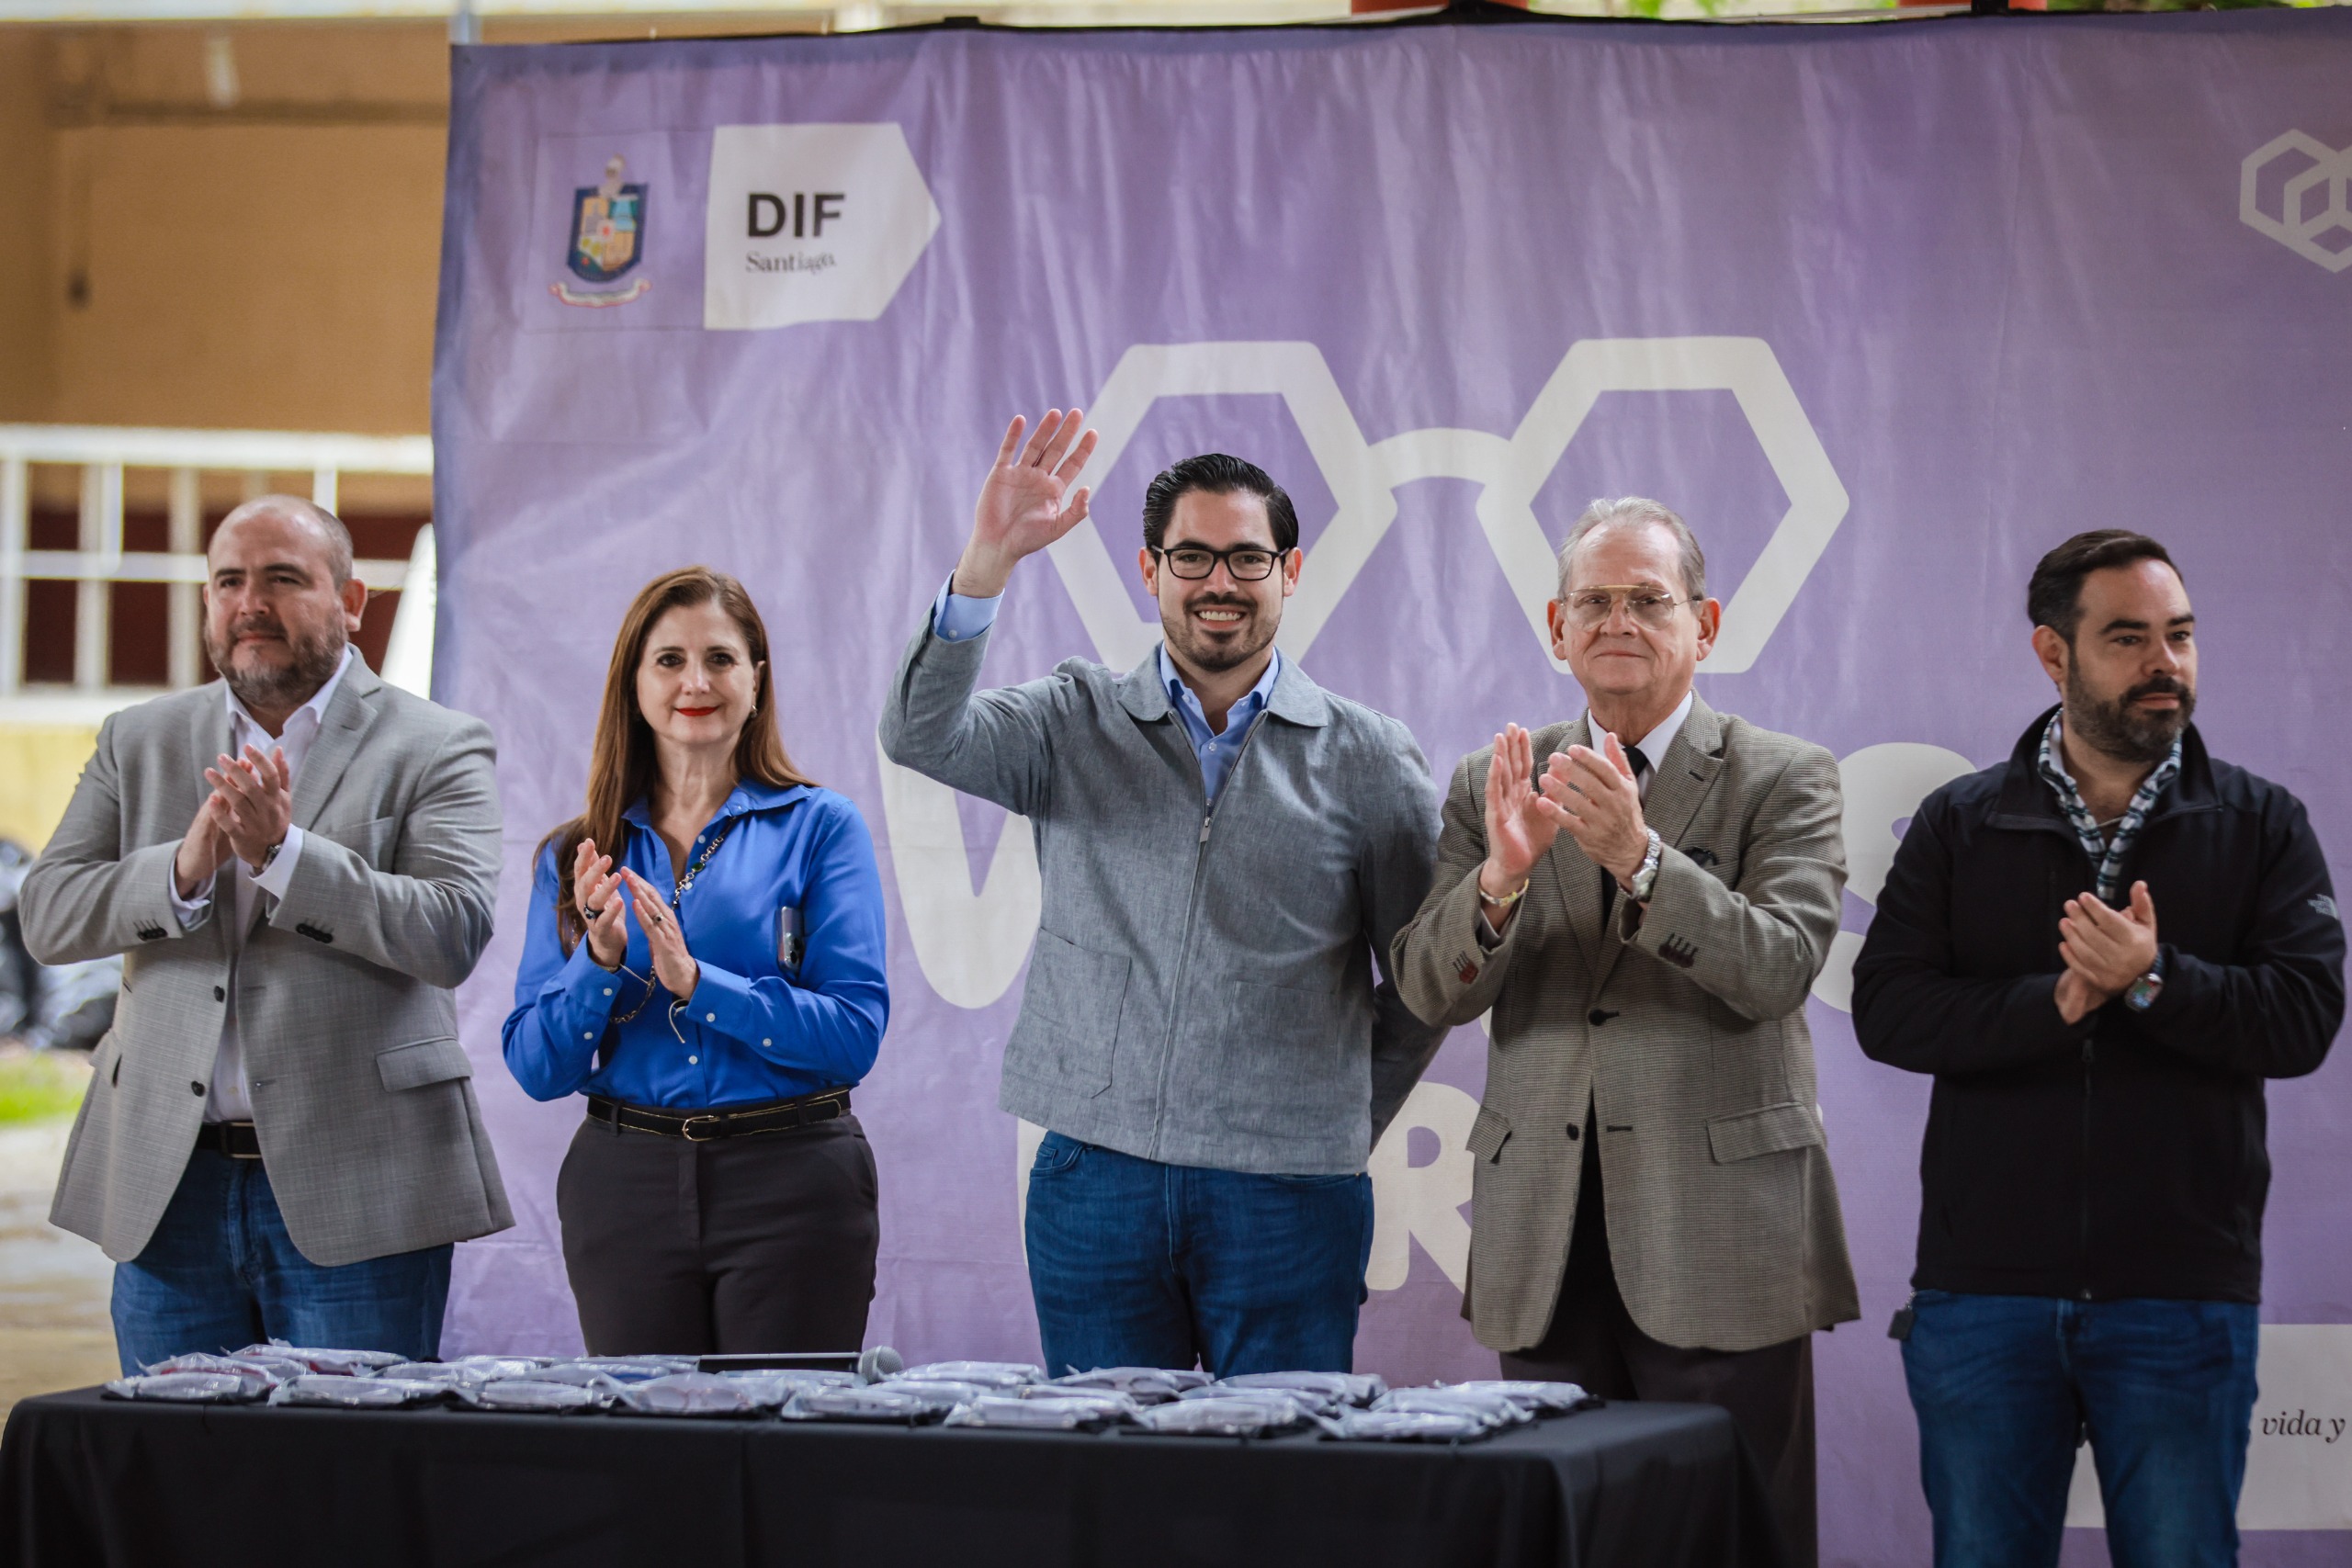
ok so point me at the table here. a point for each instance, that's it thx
(87, 1480)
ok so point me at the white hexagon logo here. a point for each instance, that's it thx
(1511, 471)
(2328, 173)
(810, 224)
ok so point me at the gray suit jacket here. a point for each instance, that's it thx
(1201, 991)
(361, 1094)
(1683, 1028)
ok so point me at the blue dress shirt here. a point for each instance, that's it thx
(957, 617)
(753, 1031)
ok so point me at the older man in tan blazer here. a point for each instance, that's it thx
(1643, 896)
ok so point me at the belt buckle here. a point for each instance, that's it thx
(686, 1129)
(228, 1139)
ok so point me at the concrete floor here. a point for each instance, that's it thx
(54, 1332)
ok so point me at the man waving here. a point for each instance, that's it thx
(1224, 847)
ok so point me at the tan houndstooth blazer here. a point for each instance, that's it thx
(1684, 1029)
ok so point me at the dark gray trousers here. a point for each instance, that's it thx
(757, 1244)
(1594, 1341)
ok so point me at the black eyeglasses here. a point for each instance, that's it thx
(1247, 563)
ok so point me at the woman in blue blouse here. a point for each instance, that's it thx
(705, 963)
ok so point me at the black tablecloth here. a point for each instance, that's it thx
(89, 1480)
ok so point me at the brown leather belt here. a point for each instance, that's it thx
(236, 1139)
(709, 1127)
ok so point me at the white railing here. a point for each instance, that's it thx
(103, 453)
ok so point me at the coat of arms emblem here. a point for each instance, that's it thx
(607, 238)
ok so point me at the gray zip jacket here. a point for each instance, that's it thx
(1200, 992)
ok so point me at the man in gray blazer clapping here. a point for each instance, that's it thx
(1643, 896)
(297, 865)
(1224, 846)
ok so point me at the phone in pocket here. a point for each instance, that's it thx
(788, 948)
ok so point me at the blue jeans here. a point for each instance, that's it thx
(1138, 1264)
(220, 1273)
(2002, 1384)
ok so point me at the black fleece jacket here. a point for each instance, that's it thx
(2123, 1155)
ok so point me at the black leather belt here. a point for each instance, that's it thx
(236, 1139)
(708, 1126)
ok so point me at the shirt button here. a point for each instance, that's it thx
(608, 990)
(710, 1018)
(768, 1042)
(694, 1061)
(587, 1035)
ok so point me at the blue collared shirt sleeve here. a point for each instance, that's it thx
(562, 1006)
(955, 617)
(828, 1021)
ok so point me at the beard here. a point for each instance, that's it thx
(1214, 655)
(261, 685)
(2124, 730)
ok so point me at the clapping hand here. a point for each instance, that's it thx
(1521, 823)
(673, 964)
(205, 849)
(1026, 502)
(2105, 950)
(1603, 805)
(256, 792)
(597, 893)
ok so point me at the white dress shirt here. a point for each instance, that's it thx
(228, 1098)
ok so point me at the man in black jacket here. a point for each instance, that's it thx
(2100, 949)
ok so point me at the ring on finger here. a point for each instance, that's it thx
(594, 914)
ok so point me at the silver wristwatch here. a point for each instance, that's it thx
(1640, 884)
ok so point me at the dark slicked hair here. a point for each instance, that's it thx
(1219, 475)
(2054, 596)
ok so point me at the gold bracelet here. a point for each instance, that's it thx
(1505, 902)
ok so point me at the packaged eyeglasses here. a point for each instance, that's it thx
(1145, 1385)
(1494, 1409)
(266, 1378)
(338, 1363)
(876, 1402)
(191, 1387)
(338, 1391)
(701, 1394)
(1541, 1398)
(1069, 1411)
(1346, 1388)
(988, 1374)
(1227, 1416)
(1405, 1427)
(531, 1396)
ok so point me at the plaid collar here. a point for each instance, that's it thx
(2106, 853)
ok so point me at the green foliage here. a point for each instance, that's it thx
(40, 1086)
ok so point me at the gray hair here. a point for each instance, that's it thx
(1635, 511)
(333, 534)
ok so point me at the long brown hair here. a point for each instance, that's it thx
(624, 767)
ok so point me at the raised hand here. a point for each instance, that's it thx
(673, 964)
(1603, 805)
(1521, 823)
(597, 893)
(258, 793)
(205, 849)
(1026, 502)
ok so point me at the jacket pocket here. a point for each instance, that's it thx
(1488, 1134)
(1072, 1007)
(423, 1061)
(1767, 1130)
(1283, 1077)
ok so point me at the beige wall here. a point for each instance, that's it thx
(269, 263)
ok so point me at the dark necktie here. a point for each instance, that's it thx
(1641, 765)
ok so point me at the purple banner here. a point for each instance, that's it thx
(1885, 312)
